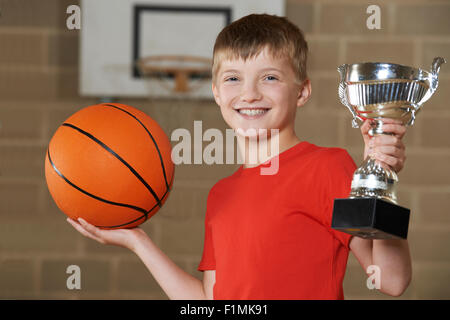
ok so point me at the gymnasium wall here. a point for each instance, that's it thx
(39, 90)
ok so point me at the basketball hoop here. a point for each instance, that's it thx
(182, 69)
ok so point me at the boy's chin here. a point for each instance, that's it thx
(262, 133)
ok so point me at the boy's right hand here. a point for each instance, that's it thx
(126, 238)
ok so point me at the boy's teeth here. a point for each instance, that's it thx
(252, 112)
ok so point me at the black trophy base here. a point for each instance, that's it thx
(370, 218)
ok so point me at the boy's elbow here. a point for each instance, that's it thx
(394, 292)
(398, 288)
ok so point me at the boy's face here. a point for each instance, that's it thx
(260, 93)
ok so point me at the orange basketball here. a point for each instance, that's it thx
(111, 165)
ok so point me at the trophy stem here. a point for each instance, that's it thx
(372, 180)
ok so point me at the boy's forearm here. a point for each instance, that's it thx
(393, 258)
(176, 283)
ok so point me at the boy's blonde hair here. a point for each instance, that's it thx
(247, 37)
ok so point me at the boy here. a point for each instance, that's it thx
(269, 236)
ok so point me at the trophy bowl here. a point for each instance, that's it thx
(374, 90)
(377, 91)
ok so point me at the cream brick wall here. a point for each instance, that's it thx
(38, 90)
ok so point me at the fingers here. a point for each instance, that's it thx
(366, 126)
(89, 227)
(395, 160)
(392, 163)
(389, 150)
(398, 130)
(86, 229)
(386, 140)
(393, 126)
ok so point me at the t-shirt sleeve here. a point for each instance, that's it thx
(208, 261)
(340, 171)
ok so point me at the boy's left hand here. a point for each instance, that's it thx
(387, 149)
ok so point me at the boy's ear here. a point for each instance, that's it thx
(304, 93)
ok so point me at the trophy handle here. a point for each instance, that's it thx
(433, 79)
(342, 90)
(436, 65)
(413, 114)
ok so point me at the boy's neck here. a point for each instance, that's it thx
(256, 151)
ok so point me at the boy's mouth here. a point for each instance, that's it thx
(252, 112)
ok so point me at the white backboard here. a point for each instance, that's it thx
(115, 33)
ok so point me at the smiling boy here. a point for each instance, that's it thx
(269, 236)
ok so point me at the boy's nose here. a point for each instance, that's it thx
(250, 92)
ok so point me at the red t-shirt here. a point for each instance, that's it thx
(270, 237)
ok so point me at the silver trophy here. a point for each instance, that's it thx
(376, 91)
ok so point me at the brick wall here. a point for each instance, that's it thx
(38, 90)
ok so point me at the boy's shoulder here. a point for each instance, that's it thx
(330, 153)
(319, 154)
(331, 157)
(224, 182)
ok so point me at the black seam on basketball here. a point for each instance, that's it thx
(122, 225)
(144, 215)
(90, 194)
(151, 136)
(104, 146)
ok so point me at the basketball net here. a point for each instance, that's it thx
(179, 75)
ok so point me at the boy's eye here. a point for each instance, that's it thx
(231, 79)
(271, 78)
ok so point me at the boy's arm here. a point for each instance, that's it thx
(391, 256)
(175, 282)
(209, 279)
